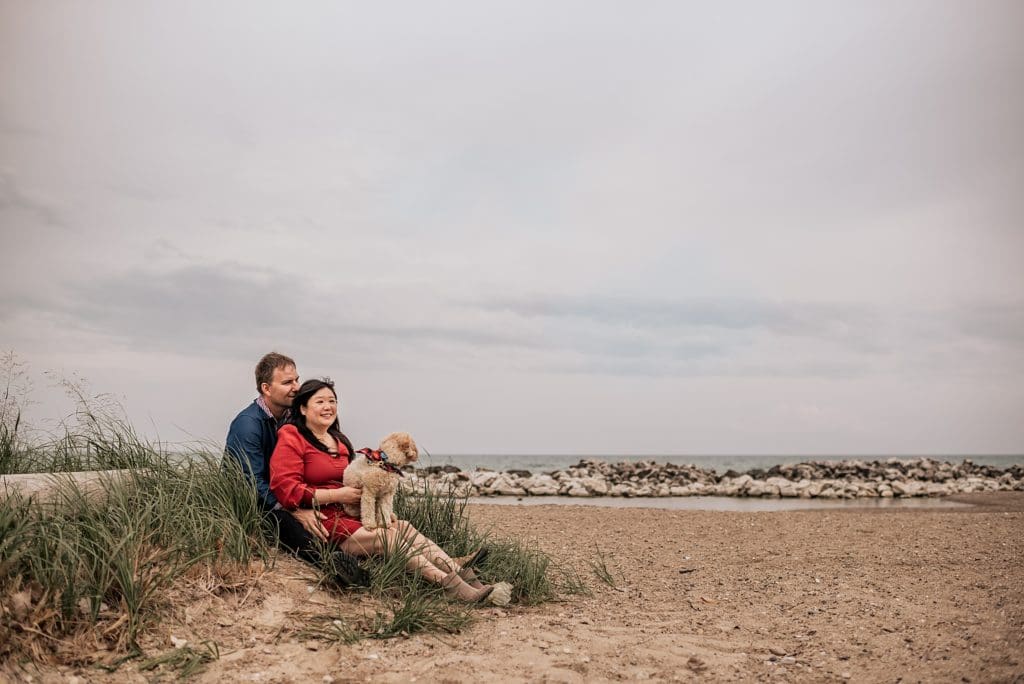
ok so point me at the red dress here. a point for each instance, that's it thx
(297, 468)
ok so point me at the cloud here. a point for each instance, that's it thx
(745, 200)
(14, 199)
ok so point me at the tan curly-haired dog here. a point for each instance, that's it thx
(378, 472)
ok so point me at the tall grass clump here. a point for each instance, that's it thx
(91, 564)
(441, 516)
(12, 393)
(94, 436)
(409, 604)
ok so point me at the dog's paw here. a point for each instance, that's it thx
(502, 594)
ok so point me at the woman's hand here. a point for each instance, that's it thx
(341, 495)
(348, 495)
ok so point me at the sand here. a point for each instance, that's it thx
(860, 595)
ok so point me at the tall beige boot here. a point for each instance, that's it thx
(467, 574)
(456, 588)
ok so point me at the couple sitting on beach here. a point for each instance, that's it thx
(289, 444)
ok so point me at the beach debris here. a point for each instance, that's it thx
(776, 650)
(695, 664)
(178, 642)
(709, 601)
(502, 594)
(21, 604)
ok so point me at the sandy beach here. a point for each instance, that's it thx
(827, 595)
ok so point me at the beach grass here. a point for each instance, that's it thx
(91, 568)
(185, 660)
(599, 566)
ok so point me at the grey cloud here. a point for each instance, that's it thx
(14, 198)
(791, 318)
(742, 337)
(219, 307)
(1001, 323)
(200, 307)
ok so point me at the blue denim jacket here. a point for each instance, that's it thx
(251, 440)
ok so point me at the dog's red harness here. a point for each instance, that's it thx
(380, 459)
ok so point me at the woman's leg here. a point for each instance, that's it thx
(425, 556)
(364, 542)
(434, 553)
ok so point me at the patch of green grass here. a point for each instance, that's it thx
(568, 581)
(186, 661)
(420, 611)
(599, 564)
(440, 516)
(330, 628)
(522, 565)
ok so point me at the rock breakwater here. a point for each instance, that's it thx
(810, 480)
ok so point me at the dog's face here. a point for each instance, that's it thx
(400, 448)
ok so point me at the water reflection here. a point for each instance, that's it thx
(721, 503)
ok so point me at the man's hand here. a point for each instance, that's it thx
(311, 520)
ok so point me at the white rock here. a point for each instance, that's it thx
(482, 478)
(578, 489)
(621, 489)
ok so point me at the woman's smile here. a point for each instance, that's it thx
(321, 410)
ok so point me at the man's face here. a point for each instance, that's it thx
(279, 392)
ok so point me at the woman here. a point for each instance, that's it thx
(306, 469)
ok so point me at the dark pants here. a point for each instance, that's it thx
(343, 567)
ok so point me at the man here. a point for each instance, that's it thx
(250, 442)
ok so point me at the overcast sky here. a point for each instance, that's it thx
(527, 227)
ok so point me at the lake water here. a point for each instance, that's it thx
(722, 503)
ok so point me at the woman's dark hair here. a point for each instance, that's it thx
(302, 397)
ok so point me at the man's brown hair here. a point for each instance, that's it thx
(266, 366)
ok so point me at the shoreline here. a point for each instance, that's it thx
(726, 503)
(852, 479)
(892, 479)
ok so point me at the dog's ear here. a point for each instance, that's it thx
(409, 446)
